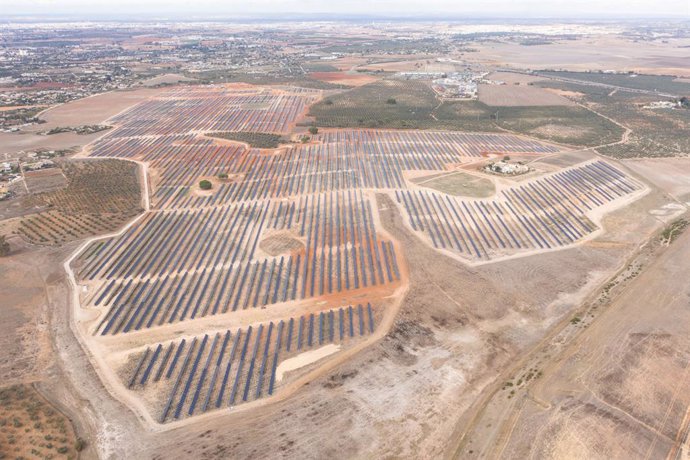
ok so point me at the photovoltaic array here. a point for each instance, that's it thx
(291, 229)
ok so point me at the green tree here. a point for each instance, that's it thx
(313, 130)
(391, 101)
(205, 185)
(222, 176)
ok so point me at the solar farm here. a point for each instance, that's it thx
(221, 299)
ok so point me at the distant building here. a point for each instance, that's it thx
(509, 169)
(661, 105)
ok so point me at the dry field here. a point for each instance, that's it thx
(621, 389)
(671, 175)
(458, 184)
(88, 111)
(166, 79)
(511, 78)
(598, 52)
(405, 64)
(45, 180)
(344, 78)
(519, 96)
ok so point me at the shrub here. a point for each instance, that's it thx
(222, 176)
(79, 444)
(4, 246)
(205, 185)
(391, 100)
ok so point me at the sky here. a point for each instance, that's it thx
(385, 8)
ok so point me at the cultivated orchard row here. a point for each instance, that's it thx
(542, 214)
(209, 372)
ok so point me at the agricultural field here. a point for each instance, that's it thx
(44, 180)
(31, 428)
(519, 96)
(344, 78)
(371, 106)
(232, 295)
(656, 83)
(654, 133)
(97, 196)
(416, 107)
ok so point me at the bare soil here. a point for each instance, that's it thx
(278, 243)
(344, 78)
(621, 390)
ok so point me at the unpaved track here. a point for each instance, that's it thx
(652, 308)
(620, 317)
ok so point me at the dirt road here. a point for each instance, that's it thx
(619, 389)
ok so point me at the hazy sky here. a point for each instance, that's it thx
(394, 8)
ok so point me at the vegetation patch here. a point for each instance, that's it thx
(383, 104)
(254, 139)
(31, 428)
(673, 230)
(100, 196)
(412, 104)
(655, 133)
(83, 130)
(567, 125)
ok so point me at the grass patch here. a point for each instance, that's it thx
(458, 184)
